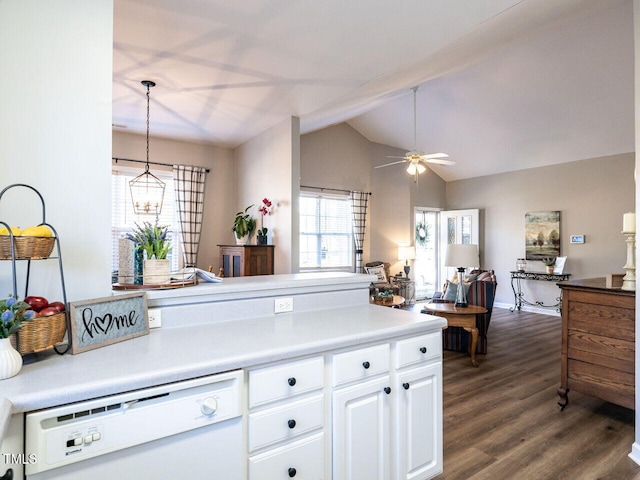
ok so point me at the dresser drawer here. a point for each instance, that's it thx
(302, 460)
(360, 364)
(285, 422)
(418, 349)
(284, 381)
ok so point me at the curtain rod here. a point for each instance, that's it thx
(153, 163)
(333, 189)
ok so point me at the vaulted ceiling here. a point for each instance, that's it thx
(504, 84)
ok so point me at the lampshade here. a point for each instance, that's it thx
(406, 252)
(462, 255)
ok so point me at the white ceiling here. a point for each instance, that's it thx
(504, 84)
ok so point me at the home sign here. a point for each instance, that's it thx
(104, 321)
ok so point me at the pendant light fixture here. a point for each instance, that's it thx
(147, 190)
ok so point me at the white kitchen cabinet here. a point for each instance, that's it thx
(389, 426)
(419, 423)
(286, 421)
(361, 431)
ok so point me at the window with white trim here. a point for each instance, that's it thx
(326, 232)
(123, 220)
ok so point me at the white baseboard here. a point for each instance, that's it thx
(528, 308)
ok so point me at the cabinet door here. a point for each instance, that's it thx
(419, 423)
(361, 430)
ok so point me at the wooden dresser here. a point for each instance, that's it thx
(246, 260)
(598, 342)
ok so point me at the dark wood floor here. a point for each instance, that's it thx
(502, 421)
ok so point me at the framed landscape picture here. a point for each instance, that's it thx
(542, 234)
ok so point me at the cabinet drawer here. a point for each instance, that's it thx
(301, 460)
(284, 381)
(418, 349)
(287, 421)
(360, 364)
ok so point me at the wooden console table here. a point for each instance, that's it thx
(246, 260)
(598, 342)
(516, 286)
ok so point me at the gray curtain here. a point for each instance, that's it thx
(189, 185)
(359, 211)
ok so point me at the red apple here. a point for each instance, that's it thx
(58, 305)
(36, 303)
(47, 312)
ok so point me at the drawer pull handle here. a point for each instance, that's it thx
(423, 349)
(405, 386)
(387, 390)
(291, 423)
(291, 381)
(292, 472)
(366, 365)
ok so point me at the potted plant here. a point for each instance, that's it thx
(265, 209)
(152, 241)
(243, 225)
(549, 262)
(13, 314)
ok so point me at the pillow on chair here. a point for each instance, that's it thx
(452, 291)
(379, 272)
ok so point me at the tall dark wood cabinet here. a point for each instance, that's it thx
(246, 260)
(598, 342)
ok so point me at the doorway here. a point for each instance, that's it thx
(434, 230)
(426, 264)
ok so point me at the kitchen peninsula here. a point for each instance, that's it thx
(338, 354)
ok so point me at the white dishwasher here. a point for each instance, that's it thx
(186, 430)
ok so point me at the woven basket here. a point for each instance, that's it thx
(41, 333)
(26, 247)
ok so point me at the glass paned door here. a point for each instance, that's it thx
(459, 226)
(425, 266)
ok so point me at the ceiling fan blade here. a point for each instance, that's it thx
(387, 164)
(439, 162)
(436, 155)
(391, 156)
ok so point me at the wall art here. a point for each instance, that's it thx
(542, 235)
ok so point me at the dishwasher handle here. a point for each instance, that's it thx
(8, 475)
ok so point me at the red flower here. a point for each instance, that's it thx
(265, 208)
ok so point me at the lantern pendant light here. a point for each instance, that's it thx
(147, 190)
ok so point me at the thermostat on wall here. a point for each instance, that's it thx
(577, 238)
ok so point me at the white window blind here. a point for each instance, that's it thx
(326, 238)
(123, 220)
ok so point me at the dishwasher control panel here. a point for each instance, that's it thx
(67, 434)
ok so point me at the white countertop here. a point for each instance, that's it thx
(213, 328)
(173, 354)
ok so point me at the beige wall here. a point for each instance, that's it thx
(592, 196)
(55, 119)
(219, 189)
(340, 157)
(269, 166)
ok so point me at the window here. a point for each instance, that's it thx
(123, 220)
(326, 239)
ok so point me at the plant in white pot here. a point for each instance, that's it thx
(243, 225)
(549, 263)
(152, 240)
(13, 314)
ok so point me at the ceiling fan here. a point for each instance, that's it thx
(416, 158)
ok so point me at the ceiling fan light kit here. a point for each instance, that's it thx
(416, 158)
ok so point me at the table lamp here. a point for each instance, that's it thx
(406, 253)
(458, 255)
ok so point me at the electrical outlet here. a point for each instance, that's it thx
(155, 317)
(284, 304)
